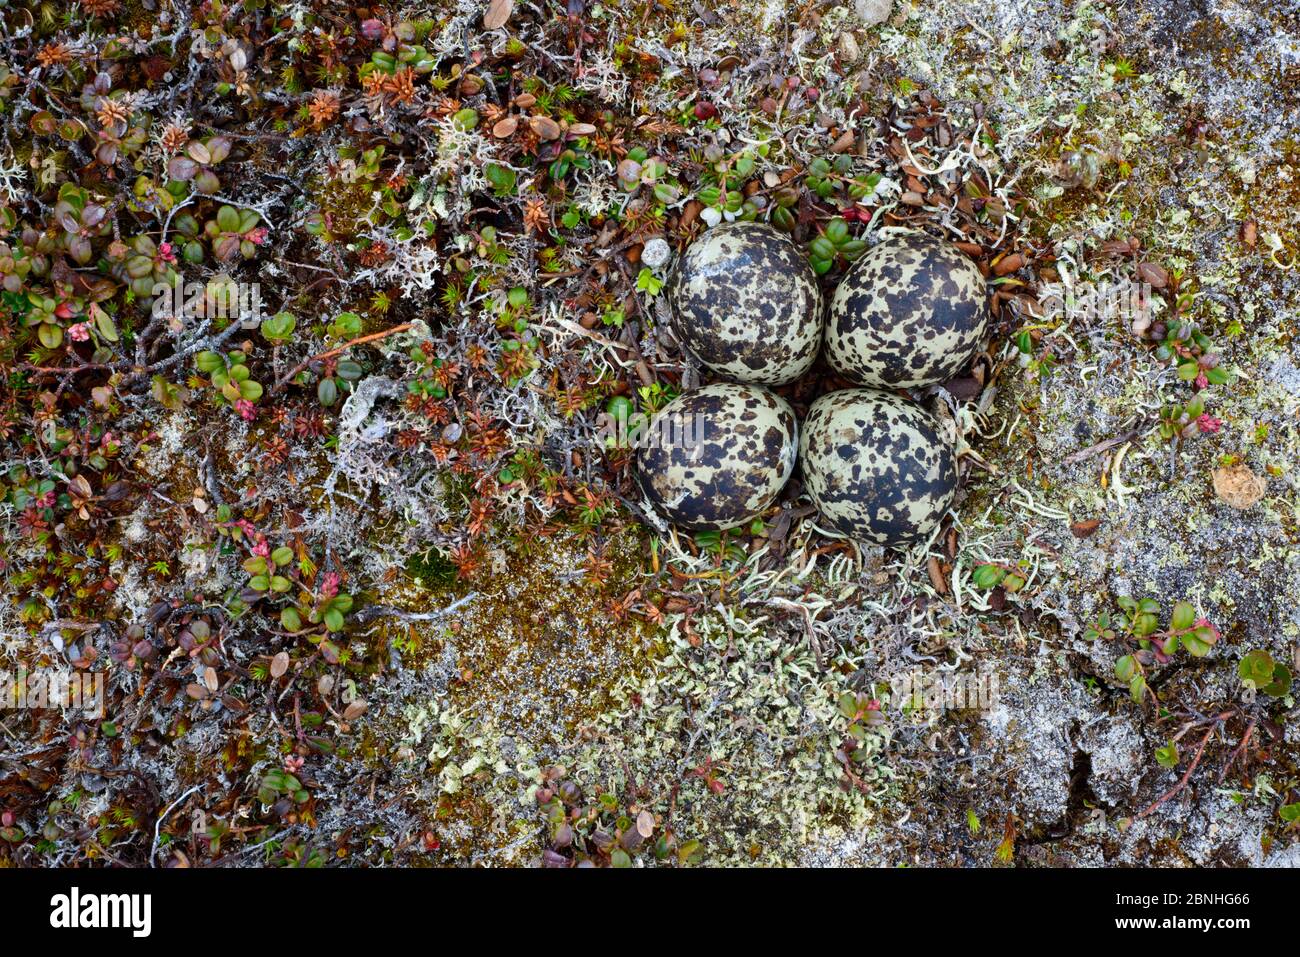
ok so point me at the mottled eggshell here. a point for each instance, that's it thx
(746, 304)
(876, 466)
(717, 457)
(911, 312)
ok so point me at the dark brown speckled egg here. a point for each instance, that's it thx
(746, 304)
(876, 466)
(911, 312)
(718, 457)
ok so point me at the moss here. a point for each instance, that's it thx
(431, 569)
(537, 647)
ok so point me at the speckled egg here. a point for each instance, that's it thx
(746, 304)
(876, 466)
(911, 312)
(717, 457)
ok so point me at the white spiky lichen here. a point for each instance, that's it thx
(12, 178)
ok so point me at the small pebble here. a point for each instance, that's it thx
(656, 253)
(872, 12)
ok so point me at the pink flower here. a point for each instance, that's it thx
(166, 252)
(293, 763)
(247, 411)
(263, 548)
(329, 585)
(1201, 381)
(1208, 423)
(257, 236)
(245, 526)
(79, 333)
(45, 501)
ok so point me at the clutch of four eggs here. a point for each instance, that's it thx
(745, 303)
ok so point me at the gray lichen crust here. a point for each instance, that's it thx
(911, 312)
(746, 304)
(876, 466)
(717, 457)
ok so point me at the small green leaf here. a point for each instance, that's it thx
(209, 362)
(51, 336)
(1256, 668)
(1137, 689)
(104, 323)
(1126, 668)
(279, 328)
(1145, 624)
(327, 393)
(987, 576)
(228, 219)
(1167, 757)
(502, 178)
(1281, 683)
(822, 248)
(848, 704)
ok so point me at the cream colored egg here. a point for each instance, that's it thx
(746, 304)
(911, 312)
(876, 466)
(718, 457)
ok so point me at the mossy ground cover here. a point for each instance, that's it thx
(367, 583)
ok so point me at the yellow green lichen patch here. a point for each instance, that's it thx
(538, 639)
